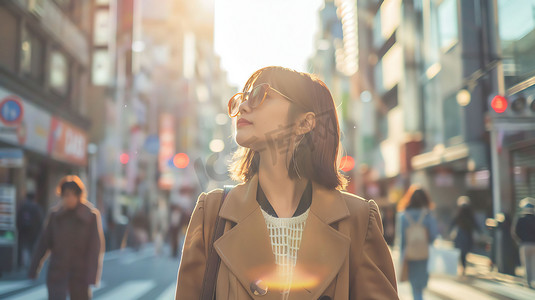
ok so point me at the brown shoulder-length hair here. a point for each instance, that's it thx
(317, 155)
(415, 197)
(72, 183)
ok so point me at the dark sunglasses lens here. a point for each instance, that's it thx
(257, 94)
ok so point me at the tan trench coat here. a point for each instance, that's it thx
(343, 254)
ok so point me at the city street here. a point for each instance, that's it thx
(126, 275)
(448, 288)
(121, 121)
(143, 275)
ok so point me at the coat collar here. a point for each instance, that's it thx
(327, 205)
(246, 248)
(82, 211)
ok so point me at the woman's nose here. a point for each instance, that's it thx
(244, 107)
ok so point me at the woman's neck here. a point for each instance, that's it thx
(282, 192)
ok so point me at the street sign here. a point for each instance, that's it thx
(152, 144)
(11, 158)
(11, 110)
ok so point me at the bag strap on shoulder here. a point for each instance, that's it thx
(421, 217)
(423, 213)
(213, 261)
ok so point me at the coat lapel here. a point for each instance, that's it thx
(246, 248)
(323, 249)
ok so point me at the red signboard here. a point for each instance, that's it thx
(67, 142)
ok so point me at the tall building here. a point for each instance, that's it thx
(44, 130)
(157, 87)
(335, 62)
(445, 99)
(511, 119)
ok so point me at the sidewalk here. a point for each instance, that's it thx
(481, 282)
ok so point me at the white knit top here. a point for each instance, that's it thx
(285, 235)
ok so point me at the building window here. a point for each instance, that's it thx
(431, 116)
(386, 21)
(448, 24)
(101, 69)
(389, 70)
(8, 44)
(452, 120)
(101, 32)
(32, 51)
(378, 39)
(59, 74)
(517, 39)
(390, 17)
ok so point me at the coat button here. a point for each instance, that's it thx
(259, 288)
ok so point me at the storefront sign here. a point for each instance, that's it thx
(11, 158)
(24, 124)
(67, 142)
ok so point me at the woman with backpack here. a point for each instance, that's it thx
(417, 230)
(289, 231)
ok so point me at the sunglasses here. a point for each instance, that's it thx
(254, 98)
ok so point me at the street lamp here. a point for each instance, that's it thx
(464, 97)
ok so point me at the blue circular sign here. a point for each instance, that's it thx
(11, 111)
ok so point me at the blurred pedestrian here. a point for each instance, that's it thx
(29, 223)
(289, 139)
(160, 225)
(524, 233)
(417, 230)
(175, 221)
(462, 228)
(73, 236)
(140, 229)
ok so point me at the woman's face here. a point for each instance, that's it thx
(70, 199)
(267, 125)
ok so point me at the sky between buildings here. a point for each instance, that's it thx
(251, 34)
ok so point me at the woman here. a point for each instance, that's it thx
(290, 232)
(73, 236)
(464, 224)
(415, 208)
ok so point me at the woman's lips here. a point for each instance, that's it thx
(242, 122)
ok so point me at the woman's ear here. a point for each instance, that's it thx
(306, 123)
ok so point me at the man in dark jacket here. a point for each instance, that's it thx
(524, 233)
(73, 236)
(29, 223)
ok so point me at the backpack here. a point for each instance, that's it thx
(416, 239)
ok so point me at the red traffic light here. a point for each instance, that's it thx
(124, 158)
(499, 104)
(347, 164)
(181, 160)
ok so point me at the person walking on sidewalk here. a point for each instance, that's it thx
(524, 233)
(29, 223)
(417, 229)
(290, 231)
(73, 236)
(462, 228)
